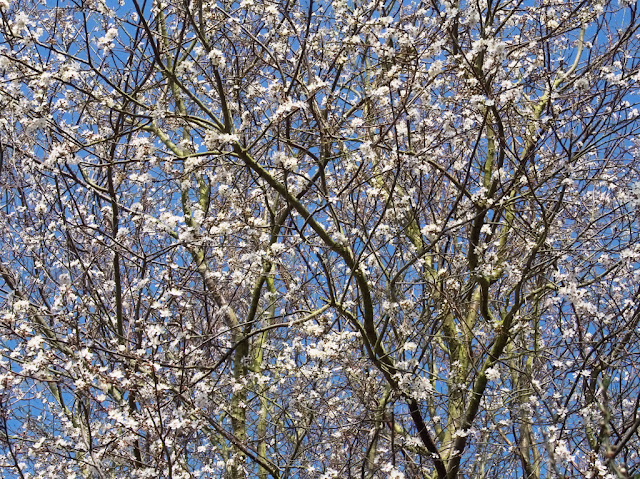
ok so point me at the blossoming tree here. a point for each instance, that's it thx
(319, 239)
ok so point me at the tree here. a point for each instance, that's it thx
(319, 239)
